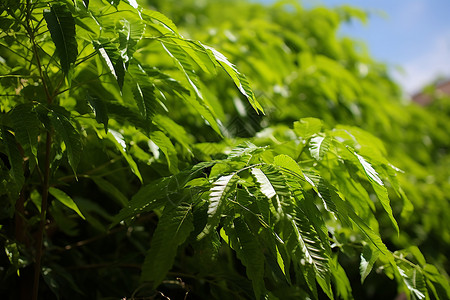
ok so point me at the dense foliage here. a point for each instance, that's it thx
(137, 161)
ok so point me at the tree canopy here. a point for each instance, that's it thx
(216, 149)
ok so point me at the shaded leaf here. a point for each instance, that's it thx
(249, 252)
(71, 138)
(166, 146)
(110, 189)
(15, 159)
(100, 110)
(61, 25)
(119, 141)
(176, 223)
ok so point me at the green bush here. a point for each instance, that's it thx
(138, 162)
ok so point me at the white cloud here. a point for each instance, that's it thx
(426, 67)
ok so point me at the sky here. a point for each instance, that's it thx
(411, 36)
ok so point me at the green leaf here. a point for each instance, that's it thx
(143, 92)
(378, 186)
(149, 15)
(61, 25)
(26, 128)
(100, 110)
(341, 281)
(66, 200)
(130, 34)
(369, 256)
(196, 99)
(70, 137)
(266, 186)
(239, 79)
(327, 193)
(158, 192)
(312, 251)
(437, 282)
(166, 146)
(249, 252)
(113, 59)
(307, 127)
(319, 146)
(119, 141)
(15, 159)
(217, 196)
(173, 228)
(148, 198)
(111, 189)
(289, 164)
(14, 257)
(414, 280)
(174, 130)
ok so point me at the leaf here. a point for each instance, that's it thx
(312, 251)
(173, 228)
(148, 198)
(266, 187)
(130, 34)
(342, 283)
(377, 185)
(239, 79)
(414, 280)
(119, 141)
(100, 110)
(149, 15)
(436, 282)
(174, 130)
(15, 159)
(249, 252)
(289, 164)
(219, 192)
(60, 281)
(155, 194)
(166, 146)
(196, 99)
(66, 200)
(143, 91)
(113, 59)
(61, 25)
(307, 127)
(217, 196)
(369, 256)
(70, 137)
(319, 146)
(111, 189)
(26, 128)
(326, 192)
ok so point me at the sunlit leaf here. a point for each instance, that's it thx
(66, 200)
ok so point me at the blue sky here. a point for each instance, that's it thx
(411, 36)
